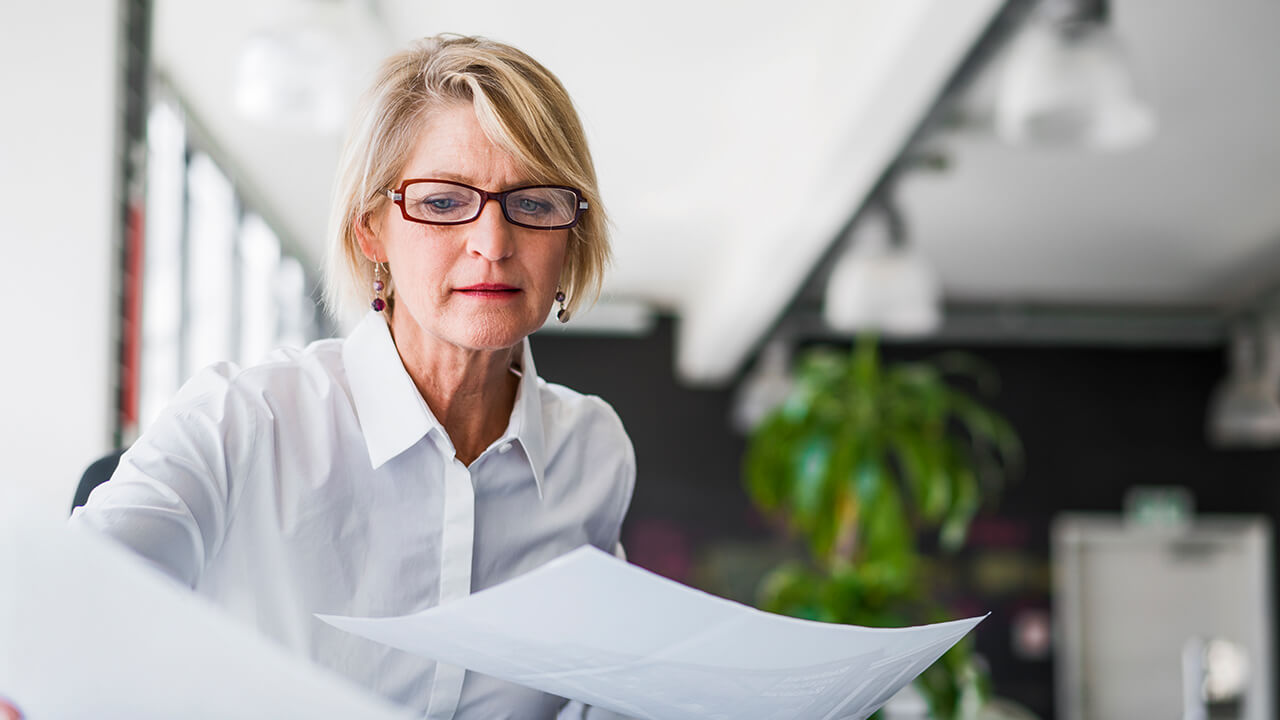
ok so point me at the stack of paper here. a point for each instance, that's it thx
(590, 627)
(87, 630)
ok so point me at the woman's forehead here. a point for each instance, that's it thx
(452, 145)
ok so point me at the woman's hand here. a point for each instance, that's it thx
(8, 711)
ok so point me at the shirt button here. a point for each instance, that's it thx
(504, 447)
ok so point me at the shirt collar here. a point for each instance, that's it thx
(526, 417)
(393, 415)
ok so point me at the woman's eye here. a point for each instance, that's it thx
(440, 203)
(443, 206)
(531, 207)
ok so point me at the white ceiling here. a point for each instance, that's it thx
(733, 139)
(1192, 219)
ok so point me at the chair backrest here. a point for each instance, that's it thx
(96, 474)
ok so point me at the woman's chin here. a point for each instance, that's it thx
(487, 332)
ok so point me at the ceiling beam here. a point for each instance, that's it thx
(747, 294)
(1020, 324)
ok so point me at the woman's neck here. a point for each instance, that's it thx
(471, 392)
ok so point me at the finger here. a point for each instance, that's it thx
(8, 711)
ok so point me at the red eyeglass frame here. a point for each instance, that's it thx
(397, 197)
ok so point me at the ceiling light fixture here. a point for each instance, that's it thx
(879, 283)
(295, 76)
(1245, 408)
(1067, 82)
(765, 388)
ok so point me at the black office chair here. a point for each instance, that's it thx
(96, 474)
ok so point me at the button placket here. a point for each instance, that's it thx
(456, 549)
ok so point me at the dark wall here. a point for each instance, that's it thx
(687, 457)
(1094, 421)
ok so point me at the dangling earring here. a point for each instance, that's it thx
(378, 303)
(563, 314)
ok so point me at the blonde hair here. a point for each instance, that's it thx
(522, 109)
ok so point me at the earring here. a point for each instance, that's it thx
(378, 303)
(563, 314)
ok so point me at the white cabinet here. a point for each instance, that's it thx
(1130, 602)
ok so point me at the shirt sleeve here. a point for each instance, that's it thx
(576, 710)
(170, 497)
(624, 460)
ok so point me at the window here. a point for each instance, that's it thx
(218, 283)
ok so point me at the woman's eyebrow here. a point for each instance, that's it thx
(446, 175)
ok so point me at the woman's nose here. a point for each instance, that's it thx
(490, 235)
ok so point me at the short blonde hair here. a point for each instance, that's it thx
(521, 107)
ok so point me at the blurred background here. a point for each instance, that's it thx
(1082, 196)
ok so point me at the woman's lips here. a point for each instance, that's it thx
(489, 290)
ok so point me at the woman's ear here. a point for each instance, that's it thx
(369, 238)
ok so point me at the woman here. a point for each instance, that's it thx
(421, 458)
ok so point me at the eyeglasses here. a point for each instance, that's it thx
(443, 202)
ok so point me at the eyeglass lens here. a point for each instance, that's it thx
(441, 202)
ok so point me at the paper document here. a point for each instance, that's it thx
(590, 627)
(88, 630)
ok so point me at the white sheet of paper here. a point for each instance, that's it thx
(590, 627)
(88, 630)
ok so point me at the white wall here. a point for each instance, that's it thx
(58, 120)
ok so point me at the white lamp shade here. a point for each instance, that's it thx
(764, 389)
(1073, 90)
(295, 78)
(1245, 408)
(891, 291)
(1244, 414)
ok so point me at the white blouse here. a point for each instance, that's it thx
(320, 482)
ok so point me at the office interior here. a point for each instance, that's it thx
(781, 181)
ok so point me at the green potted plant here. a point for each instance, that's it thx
(863, 461)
